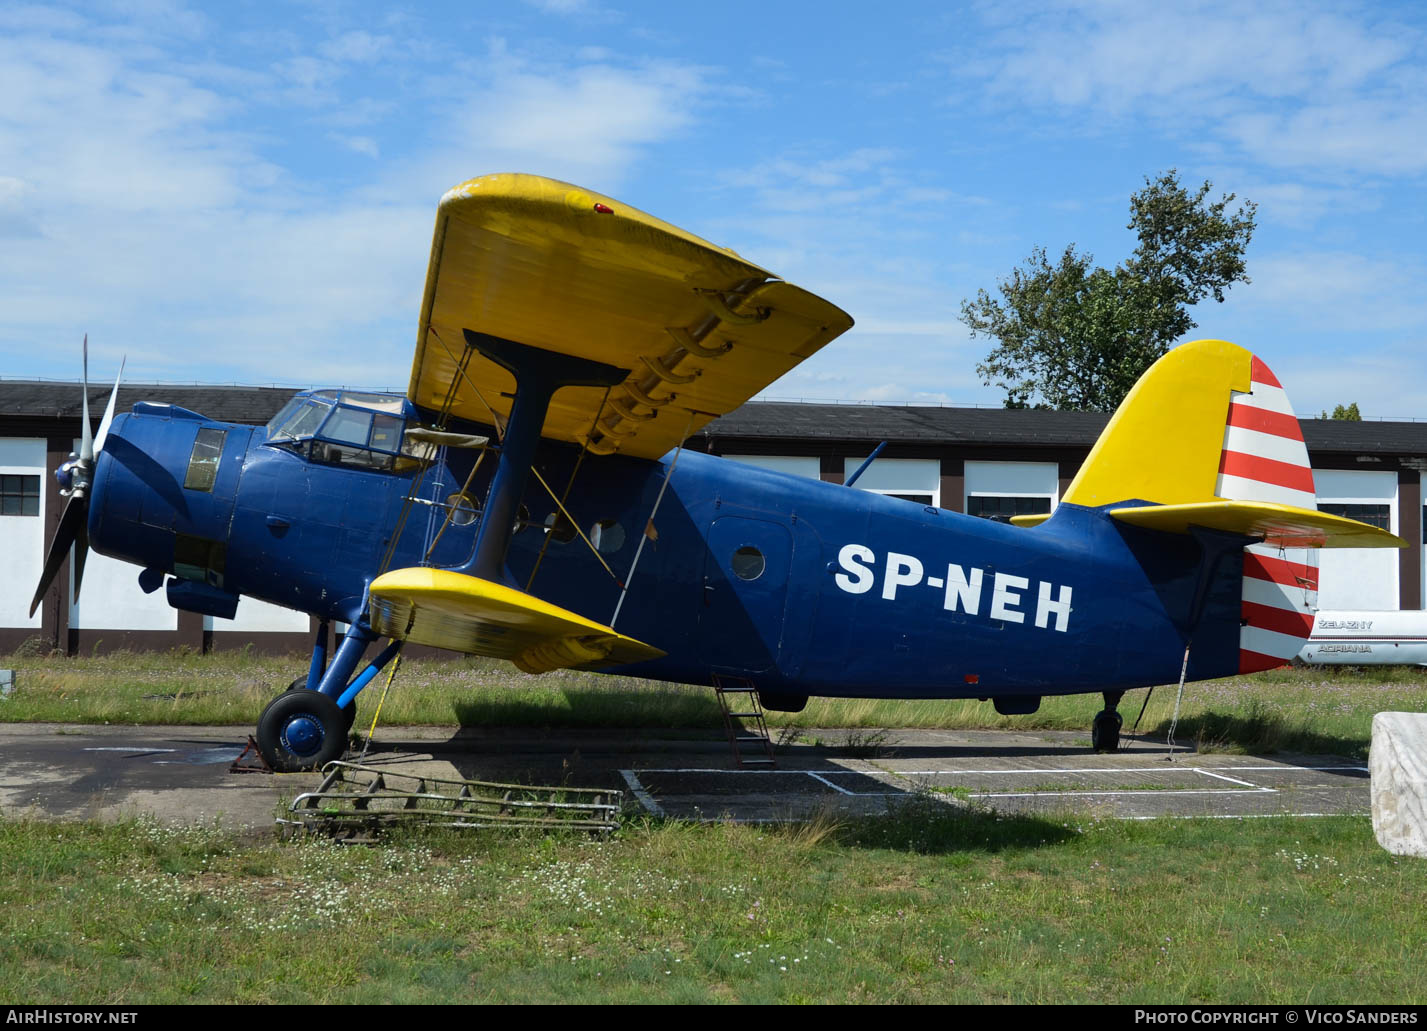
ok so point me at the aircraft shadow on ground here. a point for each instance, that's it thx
(918, 817)
(1259, 732)
(585, 708)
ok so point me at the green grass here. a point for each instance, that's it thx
(1285, 710)
(1301, 710)
(936, 904)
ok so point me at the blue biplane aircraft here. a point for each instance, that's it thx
(528, 499)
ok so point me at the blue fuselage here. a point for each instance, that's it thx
(806, 588)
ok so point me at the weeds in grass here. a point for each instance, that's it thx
(1302, 709)
(936, 903)
(867, 743)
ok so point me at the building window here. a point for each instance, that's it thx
(1374, 515)
(1004, 506)
(19, 495)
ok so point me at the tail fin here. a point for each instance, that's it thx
(1208, 421)
(1207, 438)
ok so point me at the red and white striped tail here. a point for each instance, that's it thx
(1264, 459)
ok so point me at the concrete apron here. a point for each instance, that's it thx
(181, 775)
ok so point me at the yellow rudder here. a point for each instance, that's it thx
(1164, 443)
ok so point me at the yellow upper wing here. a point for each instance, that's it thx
(553, 266)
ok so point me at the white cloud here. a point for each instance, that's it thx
(137, 203)
(361, 144)
(562, 6)
(587, 122)
(1334, 290)
(354, 46)
(1296, 85)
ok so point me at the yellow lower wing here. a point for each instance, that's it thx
(467, 614)
(1281, 525)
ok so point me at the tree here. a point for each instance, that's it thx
(1072, 335)
(1348, 413)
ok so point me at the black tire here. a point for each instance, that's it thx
(301, 730)
(1105, 731)
(350, 712)
(782, 702)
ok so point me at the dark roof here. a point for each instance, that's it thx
(774, 420)
(1370, 436)
(47, 399)
(782, 419)
(756, 420)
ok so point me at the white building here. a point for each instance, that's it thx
(989, 462)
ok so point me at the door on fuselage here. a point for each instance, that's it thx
(745, 593)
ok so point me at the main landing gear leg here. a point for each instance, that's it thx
(306, 726)
(1105, 731)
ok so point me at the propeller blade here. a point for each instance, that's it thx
(103, 434)
(86, 439)
(73, 524)
(81, 552)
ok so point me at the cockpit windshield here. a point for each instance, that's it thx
(343, 428)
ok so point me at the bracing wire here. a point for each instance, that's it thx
(395, 663)
(593, 549)
(644, 536)
(569, 485)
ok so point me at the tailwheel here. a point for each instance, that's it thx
(1105, 731)
(301, 730)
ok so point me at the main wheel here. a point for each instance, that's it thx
(1105, 731)
(301, 730)
(350, 712)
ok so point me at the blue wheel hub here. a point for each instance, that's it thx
(303, 735)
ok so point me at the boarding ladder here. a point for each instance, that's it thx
(354, 798)
(743, 720)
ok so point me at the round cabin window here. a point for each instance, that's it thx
(607, 536)
(559, 528)
(748, 563)
(462, 508)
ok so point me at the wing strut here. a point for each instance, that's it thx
(538, 374)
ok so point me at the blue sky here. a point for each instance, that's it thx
(245, 192)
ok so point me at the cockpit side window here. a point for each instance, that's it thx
(343, 428)
(348, 426)
(386, 433)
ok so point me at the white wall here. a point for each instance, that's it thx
(259, 617)
(110, 599)
(22, 538)
(1014, 479)
(1358, 578)
(897, 476)
(793, 465)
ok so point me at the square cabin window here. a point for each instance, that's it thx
(19, 494)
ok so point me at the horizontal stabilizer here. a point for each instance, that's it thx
(1282, 526)
(468, 614)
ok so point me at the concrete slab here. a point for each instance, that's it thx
(180, 774)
